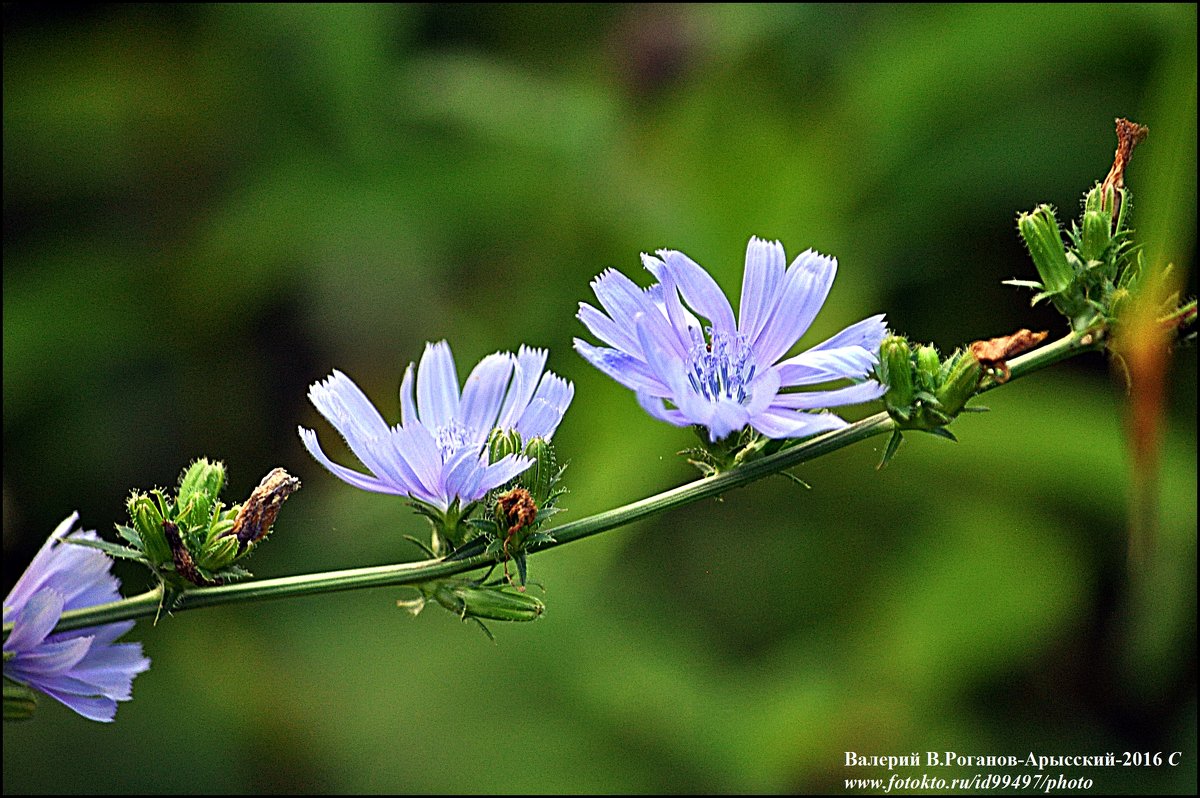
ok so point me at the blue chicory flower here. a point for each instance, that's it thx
(84, 668)
(729, 374)
(438, 453)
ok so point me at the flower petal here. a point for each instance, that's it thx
(727, 417)
(350, 412)
(656, 407)
(358, 480)
(850, 395)
(765, 262)
(623, 300)
(700, 290)
(683, 330)
(546, 411)
(529, 365)
(805, 287)
(501, 471)
(408, 404)
(868, 333)
(790, 424)
(763, 391)
(91, 707)
(39, 570)
(437, 386)
(822, 365)
(482, 394)
(624, 368)
(35, 619)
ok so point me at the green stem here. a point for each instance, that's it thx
(147, 604)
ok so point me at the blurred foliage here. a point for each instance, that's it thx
(207, 208)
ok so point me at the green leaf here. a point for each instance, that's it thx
(111, 549)
(423, 547)
(130, 534)
(890, 451)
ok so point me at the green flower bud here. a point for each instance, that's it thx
(543, 474)
(199, 487)
(146, 517)
(960, 384)
(502, 443)
(1097, 234)
(1044, 239)
(488, 603)
(219, 553)
(1101, 199)
(928, 367)
(895, 371)
(19, 701)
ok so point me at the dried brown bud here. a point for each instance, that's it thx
(257, 515)
(1129, 135)
(993, 353)
(518, 508)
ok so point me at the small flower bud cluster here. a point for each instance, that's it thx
(520, 506)
(925, 392)
(1086, 275)
(1097, 269)
(192, 538)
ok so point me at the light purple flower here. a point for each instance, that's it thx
(85, 668)
(727, 374)
(437, 454)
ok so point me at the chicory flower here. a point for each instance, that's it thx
(437, 454)
(83, 668)
(727, 374)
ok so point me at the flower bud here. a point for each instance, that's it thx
(1097, 234)
(928, 367)
(219, 553)
(1044, 239)
(961, 381)
(489, 603)
(502, 443)
(1100, 198)
(258, 513)
(895, 371)
(199, 487)
(147, 520)
(542, 476)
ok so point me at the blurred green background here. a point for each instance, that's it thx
(207, 208)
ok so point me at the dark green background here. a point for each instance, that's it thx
(208, 208)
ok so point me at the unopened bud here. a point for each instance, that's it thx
(1097, 234)
(960, 384)
(543, 474)
(147, 521)
(928, 367)
(502, 443)
(199, 487)
(489, 603)
(1044, 238)
(895, 371)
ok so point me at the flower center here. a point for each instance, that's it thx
(450, 438)
(722, 367)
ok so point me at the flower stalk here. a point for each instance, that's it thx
(412, 573)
